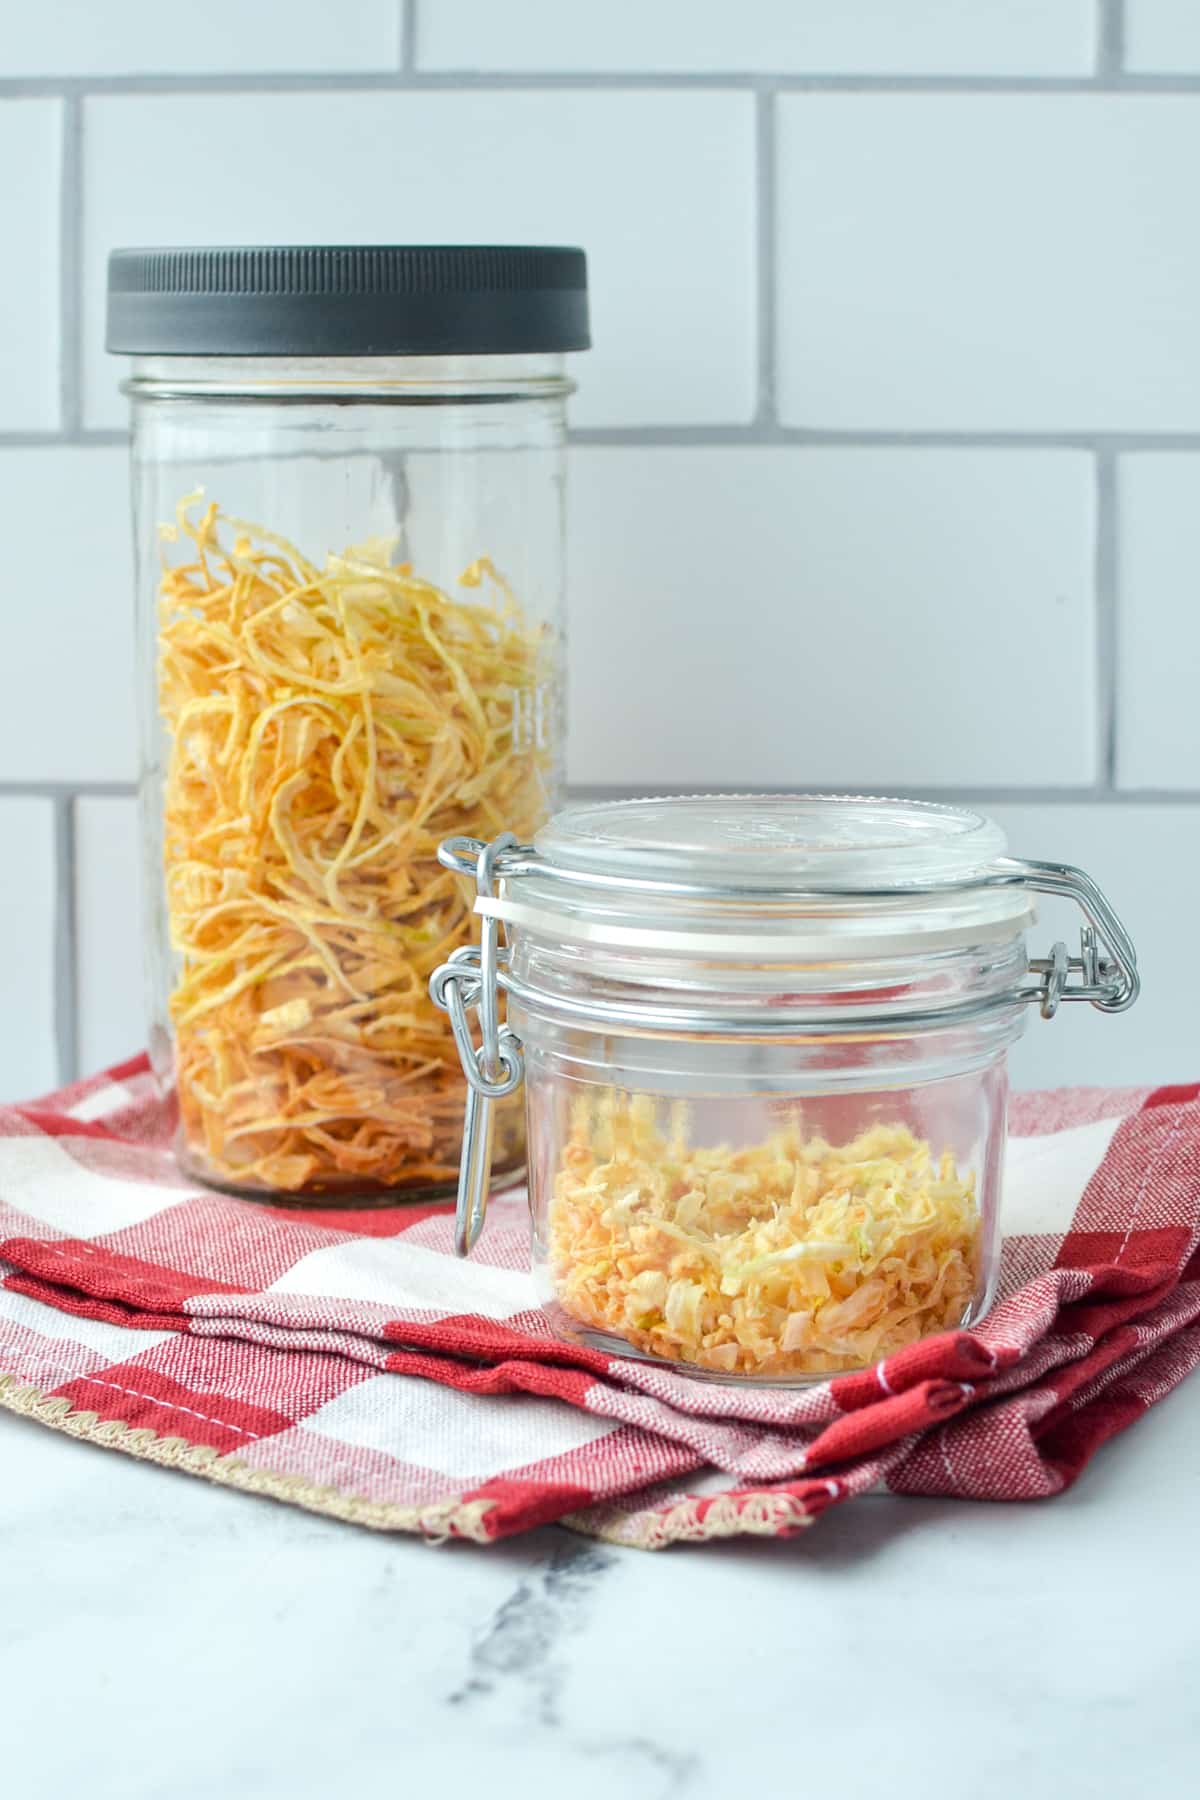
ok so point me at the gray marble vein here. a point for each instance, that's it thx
(519, 1661)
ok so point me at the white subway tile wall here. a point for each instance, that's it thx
(31, 135)
(955, 262)
(29, 932)
(110, 982)
(154, 37)
(1158, 628)
(781, 37)
(887, 458)
(774, 616)
(68, 707)
(1162, 37)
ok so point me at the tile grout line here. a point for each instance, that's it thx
(754, 436)
(1110, 44)
(68, 790)
(1118, 81)
(982, 796)
(70, 258)
(1002, 795)
(66, 945)
(408, 36)
(882, 438)
(765, 162)
(1107, 588)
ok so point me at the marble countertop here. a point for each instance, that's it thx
(161, 1637)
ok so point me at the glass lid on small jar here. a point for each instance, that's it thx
(765, 842)
(765, 875)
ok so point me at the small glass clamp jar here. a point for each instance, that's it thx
(764, 1045)
(348, 478)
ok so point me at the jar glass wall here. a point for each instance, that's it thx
(727, 1214)
(350, 597)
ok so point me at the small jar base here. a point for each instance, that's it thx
(571, 1331)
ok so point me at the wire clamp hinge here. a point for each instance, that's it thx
(466, 983)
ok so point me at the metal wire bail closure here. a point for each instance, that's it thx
(1104, 974)
(1107, 961)
(468, 982)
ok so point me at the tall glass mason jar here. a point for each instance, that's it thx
(348, 500)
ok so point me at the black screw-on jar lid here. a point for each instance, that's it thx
(335, 300)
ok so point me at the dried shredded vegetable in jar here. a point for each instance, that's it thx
(327, 728)
(792, 1257)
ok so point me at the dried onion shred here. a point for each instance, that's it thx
(790, 1257)
(327, 728)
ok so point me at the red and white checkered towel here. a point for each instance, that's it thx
(348, 1363)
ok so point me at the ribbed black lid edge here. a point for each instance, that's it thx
(330, 300)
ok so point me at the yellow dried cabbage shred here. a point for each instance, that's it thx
(327, 727)
(791, 1257)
